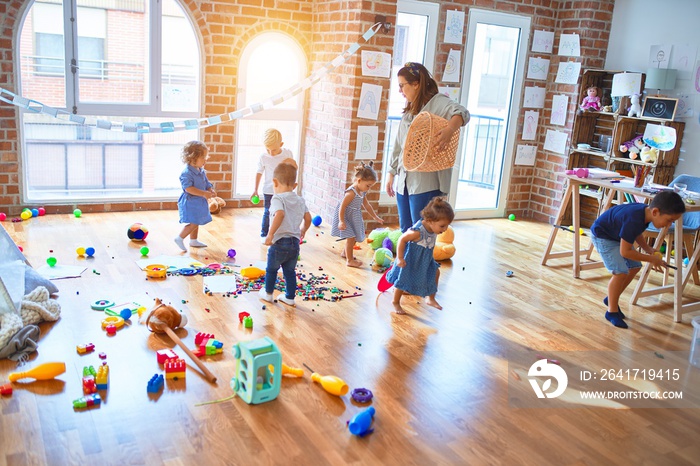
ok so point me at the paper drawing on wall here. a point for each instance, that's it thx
(555, 141)
(568, 72)
(682, 59)
(542, 41)
(367, 138)
(530, 125)
(537, 68)
(659, 56)
(525, 155)
(685, 105)
(534, 97)
(370, 96)
(454, 27)
(626, 84)
(560, 104)
(400, 45)
(376, 64)
(570, 45)
(660, 137)
(451, 74)
(451, 92)
(696, 78)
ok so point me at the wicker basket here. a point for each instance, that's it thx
(419, 155)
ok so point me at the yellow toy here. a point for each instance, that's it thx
(330, 383)
(444, 249)
(45, 371)
(252, 273)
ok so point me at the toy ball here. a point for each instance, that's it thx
(137, 232)
(35, 212)
(3, 216)
(42, 211)
(383, 257)
(26, 215)
(125, 314)
(77, 213)
(317, 220)
(231, 253)
(25, 209)
(80, 251)
(685, 262)
(51, 261)
(90, 251)
(145, 251)
(388, 244)
(255, 200)
(511, 217)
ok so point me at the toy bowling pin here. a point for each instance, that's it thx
(330, 383)
(45, 371)
(359, 424)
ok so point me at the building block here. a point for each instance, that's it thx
(155, 384)
(102, 377)
(241, 316)
(248, 322)
(165, 355)
(202, 337)
(253, 380)
(6, 390)
(86, 401)
(89, 385)
(175, 369)
(87, 348)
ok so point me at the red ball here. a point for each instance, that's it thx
(3, 216)
(42, 211)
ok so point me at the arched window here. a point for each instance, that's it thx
(270, 63)
(130, 61)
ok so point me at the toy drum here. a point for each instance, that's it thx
(156, 271)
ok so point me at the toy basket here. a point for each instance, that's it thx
(419, 154)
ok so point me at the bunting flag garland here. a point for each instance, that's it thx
(198, 123)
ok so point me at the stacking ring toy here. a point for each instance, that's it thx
(187, 271)
(117, 321)
(101, 304)
(361, 395)
(156, 271)
(214, 266)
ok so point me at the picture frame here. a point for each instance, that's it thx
(659, 108)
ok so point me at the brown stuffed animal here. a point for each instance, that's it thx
(164, 314)
(216, 204)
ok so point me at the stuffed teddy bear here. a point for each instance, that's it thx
(215, 204)
(163, 314)
(444, 249)
(649, 154)
(636, 108)
(634, 146)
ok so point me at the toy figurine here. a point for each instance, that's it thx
(636, 108)
(591, 103)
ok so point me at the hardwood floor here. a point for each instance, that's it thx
(440, 378)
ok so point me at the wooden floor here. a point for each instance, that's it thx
(440, 378)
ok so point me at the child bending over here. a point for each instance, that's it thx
(415, 271)
(347, 220)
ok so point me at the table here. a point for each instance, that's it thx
(612, 189)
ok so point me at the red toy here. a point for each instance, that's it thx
(175, 369)
(6, 390)
(165, 355)
(83, 349)
(242, 315)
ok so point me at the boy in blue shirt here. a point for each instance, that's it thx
(614, 234)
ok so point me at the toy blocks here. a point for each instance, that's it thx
(87, 401)
(155, 384)
(6, 390)
(165, 355)
(207, 345)
(89, 385)
(202, 337)
(102, 377)
(248, 322)
(87, 348)
(175, 369)
(253, 380)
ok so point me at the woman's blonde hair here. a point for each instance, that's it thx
(365, 172)
(192, 151)
(272, 137)
(438, 209)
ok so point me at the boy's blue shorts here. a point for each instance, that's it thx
(609, 250)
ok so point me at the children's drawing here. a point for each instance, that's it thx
(659, 56)
(684, 109)
(400, 44)
(682, 59)
(451, 92)
(537, 68)
(370, 96)
(542, 41)
(626, 84)
(530, 125)
(525, 155)
(534, 97)
(454, 27)
(570, 45)
(568, 72)
(555, 141)
(376, 64)
(560, 104)
(367, 137)
(697, 76)
(451, 74)
(660, 137)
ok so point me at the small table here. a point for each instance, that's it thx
(617, 190)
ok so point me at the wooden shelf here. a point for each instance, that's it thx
(630, 161)
(597, 153)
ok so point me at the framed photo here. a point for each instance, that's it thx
(659, 108)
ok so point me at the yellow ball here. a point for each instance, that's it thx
(80, 251)
(27, 214)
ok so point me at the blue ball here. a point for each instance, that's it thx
(90, 252)
(35, 212)
(317, 220)
(125, 314)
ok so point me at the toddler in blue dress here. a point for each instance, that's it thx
(192, 205)
(415, 271)
(347, 219)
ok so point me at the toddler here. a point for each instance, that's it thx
(347, 220)
(288, 210)
(192, 205)
(273, 156)
(415, 271)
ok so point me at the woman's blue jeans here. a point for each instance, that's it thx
(411, 205)
(285, 253)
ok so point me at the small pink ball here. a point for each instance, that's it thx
(3, 216)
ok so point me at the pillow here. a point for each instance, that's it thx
(32, 279)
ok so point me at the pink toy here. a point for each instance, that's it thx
(580, 172)
(591, 103)
(165, 355)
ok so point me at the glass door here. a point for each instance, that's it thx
(491, 83)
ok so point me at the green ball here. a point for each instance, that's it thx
(255, 200)
(511, 217)
(383, 257)
(144, 251)
(77, 212)
(51, 261)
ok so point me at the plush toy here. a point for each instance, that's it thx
(636, 108)
(634, 146)
(649, 154)
(591, 103)
(162, 314)
(376, 237)
(444, 249)
(608, 108)
(215, 204)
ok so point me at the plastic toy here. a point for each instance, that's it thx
(102, 377)
(216, 204)
(291, 371)
(3, 216)
(51, 261)
(137, 232)
(231, 253)
(207, 345)
(89, 385)
(175, 369)
(361, 395)
(101, 304)
(111, 329)
(330, 383)
(317, 220)
(144, 251)
(26, 215)
(117, 321)
(45, 371)
(87, 401)
(359, 424)
(248, 322)
(255, 200)
(164, 318)
(82, 349)
(252, 273)
(90, 252)
(35, 212)
(6, 390)
(164, 355)
(444, 245)
(77, 213)
(383, 284)
(253, 380)
(156, 271)
(80, 251)
(42, 211)
(511, 217)
(241, 316)
(591, 103)
(155, 384)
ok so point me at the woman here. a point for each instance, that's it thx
(415, 189)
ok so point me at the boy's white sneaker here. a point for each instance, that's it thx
(283, 299)
(265, 296)
(197, 244)
(180, 243)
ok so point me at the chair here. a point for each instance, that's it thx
(691, 227)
